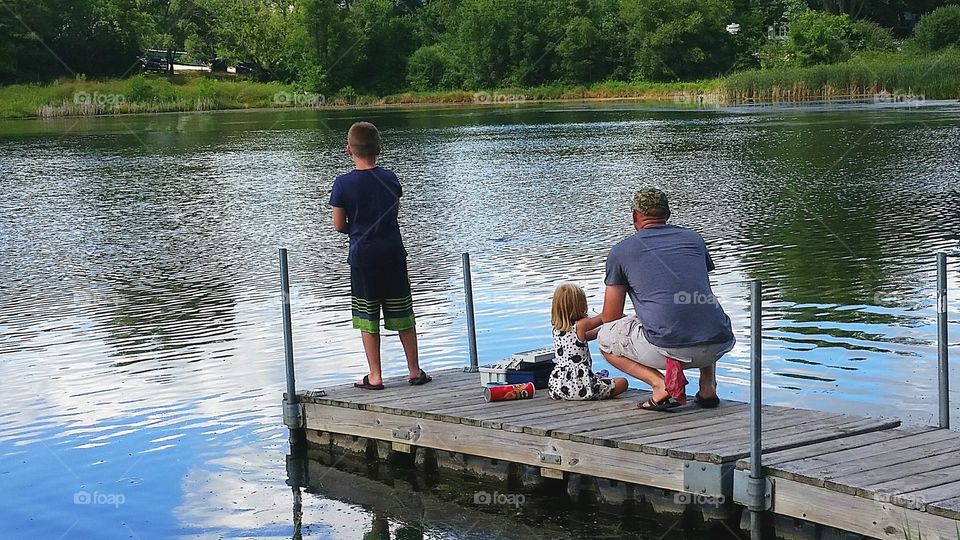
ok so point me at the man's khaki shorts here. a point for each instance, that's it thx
(624, 337)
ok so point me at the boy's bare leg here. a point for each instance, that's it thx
(646, 374)
(408, 338)
(371, 346)
(708, 381)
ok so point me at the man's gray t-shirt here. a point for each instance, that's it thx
(664, 268)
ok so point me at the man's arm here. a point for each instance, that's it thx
(340, 220)
(614, 299)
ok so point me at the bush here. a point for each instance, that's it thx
(870, 36)
(938, 30)
(817, 37)
(679, 40)
(432, 67)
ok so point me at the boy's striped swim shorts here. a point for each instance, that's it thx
(383, 287)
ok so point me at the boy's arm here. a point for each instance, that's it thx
(588, 327)
(340, 220)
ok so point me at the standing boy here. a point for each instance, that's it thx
(365, 203)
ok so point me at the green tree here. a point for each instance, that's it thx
(432, 67)
(938, 30)
(579, 50)
(678, 40)
(817, 37)
(387, 41)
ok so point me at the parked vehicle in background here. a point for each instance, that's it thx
(154, 64)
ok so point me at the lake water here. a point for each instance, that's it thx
(140, 339)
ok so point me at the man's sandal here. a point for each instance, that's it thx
(706, 403)
(663, 405)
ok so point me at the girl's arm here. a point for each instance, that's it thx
(588, 327)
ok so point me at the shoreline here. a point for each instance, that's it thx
(891, 80)
(681, 102)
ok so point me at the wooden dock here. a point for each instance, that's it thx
(860, 474)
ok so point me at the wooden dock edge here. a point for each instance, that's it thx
(553, 456)
(860, 515)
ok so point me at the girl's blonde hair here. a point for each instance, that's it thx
(569, 306)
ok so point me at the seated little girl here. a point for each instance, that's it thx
(573, 377)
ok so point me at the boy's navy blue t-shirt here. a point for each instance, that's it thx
(371, 199)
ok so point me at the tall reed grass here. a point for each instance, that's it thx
(884, 76)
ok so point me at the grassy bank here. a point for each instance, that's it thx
(890, 76)
(148, 93)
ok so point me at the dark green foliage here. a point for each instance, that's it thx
(680, 39)
(379, 47)
(938, 30)
(818, 37)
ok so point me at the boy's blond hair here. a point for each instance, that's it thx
(569, 306)
(364, 140)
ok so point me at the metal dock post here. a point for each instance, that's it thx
(471, 320)
(758, 490)
(943, 344)
(292, 412)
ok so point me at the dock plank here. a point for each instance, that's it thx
(949, 508)
(942, 469)
(785, 439)
(833, 451)
(624, 429)
(890, 453)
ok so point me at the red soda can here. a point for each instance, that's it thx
(506, 392)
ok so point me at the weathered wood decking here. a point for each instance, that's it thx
(852, 472)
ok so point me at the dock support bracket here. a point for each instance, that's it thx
(704, 478)
(292, 414)
(754, 493)
(406, 434)
(550, 459)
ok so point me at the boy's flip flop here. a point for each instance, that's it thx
(423, 378)
(663, 405)
(706, 403)
(366, 384)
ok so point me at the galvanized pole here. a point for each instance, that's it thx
(292, 414)
(943, 352)
(757, 484)
(471, 321)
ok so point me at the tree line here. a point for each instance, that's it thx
(386, 46)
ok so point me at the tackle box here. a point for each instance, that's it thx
(528, 366)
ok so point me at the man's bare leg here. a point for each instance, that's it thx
(708, 381)
(371, 347)
(408, 338)
(646, 374)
